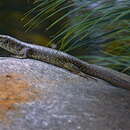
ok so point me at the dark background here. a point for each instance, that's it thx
(11, 13)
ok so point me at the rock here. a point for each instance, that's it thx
(38, 96)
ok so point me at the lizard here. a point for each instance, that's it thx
(58, 58)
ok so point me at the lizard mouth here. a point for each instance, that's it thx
(2, 40)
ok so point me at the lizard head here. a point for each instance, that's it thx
(3, 40)
(10, 44)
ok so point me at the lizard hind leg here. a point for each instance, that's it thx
(73, 68)
(86, 76)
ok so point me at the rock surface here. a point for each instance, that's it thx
(38, 96)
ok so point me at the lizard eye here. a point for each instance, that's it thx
(6, 40)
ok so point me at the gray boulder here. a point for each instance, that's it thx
(38, 96)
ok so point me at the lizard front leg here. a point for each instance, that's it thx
(22, 54)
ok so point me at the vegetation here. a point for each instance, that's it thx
(85, 25)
